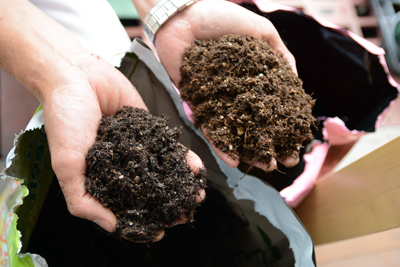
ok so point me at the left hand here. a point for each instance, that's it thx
(211, 19)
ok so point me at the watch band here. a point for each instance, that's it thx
(159, 14)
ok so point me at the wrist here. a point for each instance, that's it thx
(161, 13)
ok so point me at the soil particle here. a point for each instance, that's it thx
(249, 99)
(138, 170)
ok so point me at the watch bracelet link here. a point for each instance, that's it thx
(160, 13)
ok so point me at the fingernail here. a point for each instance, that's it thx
(104, 224)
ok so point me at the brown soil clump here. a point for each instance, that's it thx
(247, 96)
(138, 170)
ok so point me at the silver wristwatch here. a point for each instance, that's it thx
(159, 14)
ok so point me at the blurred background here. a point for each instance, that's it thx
(375, 20)
(378, 21)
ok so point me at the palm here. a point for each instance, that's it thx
(72, 113)
(196, 23)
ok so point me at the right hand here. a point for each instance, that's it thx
(72, 112)
(74, 87)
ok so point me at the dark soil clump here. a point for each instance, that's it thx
(251, 102)
(138, 170)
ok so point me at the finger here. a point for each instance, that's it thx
(231, 162)
(267, 167)
(79, 202)
(103, 216)
(182, 220)
(159, 236)
(201, 196)
(88, 207)
(194, 162)
(290, 161)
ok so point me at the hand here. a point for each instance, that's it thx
(75, 88)
(210, 20)
(72, 113)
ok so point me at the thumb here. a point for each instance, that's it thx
(79, 202)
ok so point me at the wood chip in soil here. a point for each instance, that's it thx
(248, 97)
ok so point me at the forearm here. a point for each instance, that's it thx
(35, 49)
